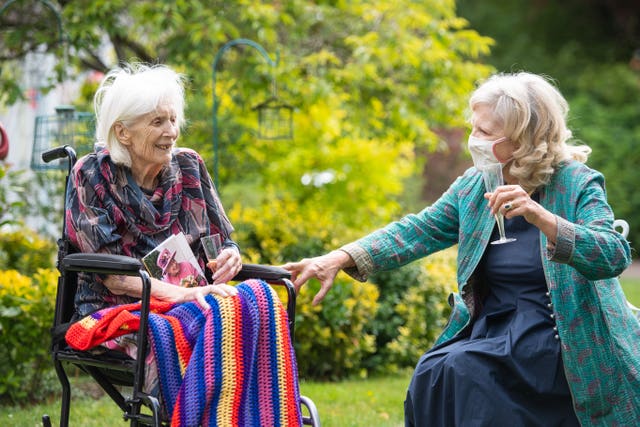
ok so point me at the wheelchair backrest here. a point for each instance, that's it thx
(67, 281)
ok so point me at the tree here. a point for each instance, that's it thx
(370, 81)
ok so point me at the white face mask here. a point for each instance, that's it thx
(483, 151)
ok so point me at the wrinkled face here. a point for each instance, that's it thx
(486, 126)
(151, 137)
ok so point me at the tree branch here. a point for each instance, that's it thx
(122, 43)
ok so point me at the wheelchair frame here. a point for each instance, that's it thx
(113, 370)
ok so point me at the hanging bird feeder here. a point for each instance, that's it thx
(66, 127)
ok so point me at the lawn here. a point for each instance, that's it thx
(631, 287)
(371, 402)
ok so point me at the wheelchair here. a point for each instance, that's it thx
(120, 376)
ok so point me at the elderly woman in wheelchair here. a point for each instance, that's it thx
(132, 193)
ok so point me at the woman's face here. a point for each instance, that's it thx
(152, 136)
(486, 126)
(173, 269)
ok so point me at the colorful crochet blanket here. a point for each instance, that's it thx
(231, 365)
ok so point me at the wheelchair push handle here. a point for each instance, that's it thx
(59, 153)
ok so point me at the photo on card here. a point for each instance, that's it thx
(173, 261)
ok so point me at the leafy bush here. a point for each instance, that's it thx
(27, 301)
(413, 310)
(25, 251)
(424, 309)
(26, 313)
(331, 339)
(8, 202)
(608, 120)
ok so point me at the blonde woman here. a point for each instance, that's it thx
(540, 334)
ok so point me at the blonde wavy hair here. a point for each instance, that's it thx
(533, 113)
(129, 92)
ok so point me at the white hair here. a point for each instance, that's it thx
(128, 92)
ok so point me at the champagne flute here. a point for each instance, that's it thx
(212, 245)
(492, 174)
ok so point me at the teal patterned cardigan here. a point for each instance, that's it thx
(599, 335)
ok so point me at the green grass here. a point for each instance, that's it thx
(631, 289)
(354, 403)
(371, 402)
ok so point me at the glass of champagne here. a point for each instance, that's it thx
(492, 174)
(212, 245)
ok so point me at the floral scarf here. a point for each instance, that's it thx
(108, 212)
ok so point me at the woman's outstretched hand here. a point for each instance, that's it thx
(324, 268)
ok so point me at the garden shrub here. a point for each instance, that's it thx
(331, 340)
(424, 311)
(26, 314)
(27, 301)
(25, 251)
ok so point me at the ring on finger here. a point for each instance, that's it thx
(508, 206)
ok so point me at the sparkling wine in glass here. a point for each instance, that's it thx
(212, 245)
(492, 175)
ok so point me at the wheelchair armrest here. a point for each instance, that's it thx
(265, 272)
(102, 263)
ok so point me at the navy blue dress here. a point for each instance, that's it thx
(508, 370)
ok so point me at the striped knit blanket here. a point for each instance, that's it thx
(231, 365)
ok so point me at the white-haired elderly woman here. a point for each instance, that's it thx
(138, 188)
(539, 334)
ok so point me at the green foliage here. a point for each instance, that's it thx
(10, 190)
(331, 339)
(25, 251)
(370, 83)
(413, 310)
(608, 120)
(27, 301)
(19, 186)
(558, 39)
(26, 313)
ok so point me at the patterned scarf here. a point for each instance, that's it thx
(109, 212)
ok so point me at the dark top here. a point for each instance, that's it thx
(508, 371)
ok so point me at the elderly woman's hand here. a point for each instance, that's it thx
(179, 294)
(226, 266)
(201, 292)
